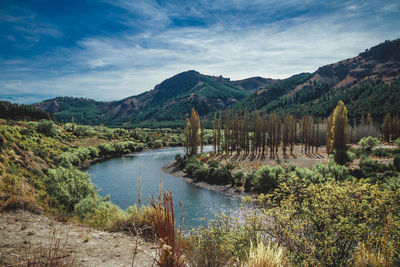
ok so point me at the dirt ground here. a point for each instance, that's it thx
(24, 235)
(248, 163)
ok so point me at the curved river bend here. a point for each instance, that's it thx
(118, 178)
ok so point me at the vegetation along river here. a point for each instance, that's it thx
(118, 178)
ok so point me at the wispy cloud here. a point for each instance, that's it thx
(237, 39)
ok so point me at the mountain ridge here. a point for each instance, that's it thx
(372, 77)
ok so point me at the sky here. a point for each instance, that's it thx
(108, 50)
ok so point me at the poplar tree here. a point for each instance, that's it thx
(285, 133)
(195, 126)
(219, 125)
(246, 121)
(188, 134)
(369, 120)
(201, 136)
(386, 127)
(339, 129)
(263, 131)
(214, 126)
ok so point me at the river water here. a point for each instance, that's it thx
(118, 178)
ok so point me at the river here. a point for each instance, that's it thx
(118, 178)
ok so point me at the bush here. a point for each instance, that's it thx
(218, 176)
(68, 187)
(323, 224)
(47, 128)
(351, 156)
(382, 152)
(248, 181)
(238, 178)
(367, 143)
(266, 178)
(200, 174)
(191, 168)
(224, 242)
(212, 163)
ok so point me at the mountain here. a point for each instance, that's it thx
(254, 84)
(166, 104)
(369, 82)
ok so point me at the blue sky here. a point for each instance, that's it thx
(111, 49)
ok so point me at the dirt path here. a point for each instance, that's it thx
(23, 233)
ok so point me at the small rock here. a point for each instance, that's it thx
(30, 233)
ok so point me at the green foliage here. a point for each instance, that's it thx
(224, 242)
(367, 143)
(322, 224)
(266, 178)
(351, 156)
(238, 178)
(68, 186)
(47, 128)
(374, 170)
(21, 112)
(212, 163)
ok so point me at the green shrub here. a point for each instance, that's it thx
(266, 178)
(84, 131)
(200, 174)
(224, 242)
(191, 167)
(248, 181)
(238, 178)
(351, 156)
(68, 186)
(367, 143)
(86, 206)
(382, 152)
(212, 163)
(47, 128)
(323, 224)
(219, 176)
(330, 171)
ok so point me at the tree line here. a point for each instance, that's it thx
(262, 134)
(14, 111)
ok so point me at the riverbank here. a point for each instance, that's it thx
(173, 170)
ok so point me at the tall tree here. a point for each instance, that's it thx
(339, 132)
(195, 126)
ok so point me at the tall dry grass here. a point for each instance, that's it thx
(266, 256)
(169, 240)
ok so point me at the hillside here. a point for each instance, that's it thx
(369, 82)
(366, 83)
(166, 104)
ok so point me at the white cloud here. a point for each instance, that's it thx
(111, 68)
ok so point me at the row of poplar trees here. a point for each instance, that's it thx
(238, 132)
(256, 135)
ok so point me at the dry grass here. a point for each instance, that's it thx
(266, 256)
(170, 243)
(367, 258)
(55, 256)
